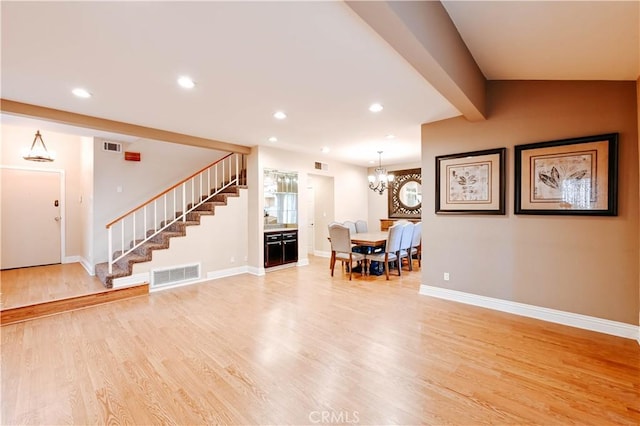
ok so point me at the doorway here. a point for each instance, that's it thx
(32, 225)
(311, 209)
(323, 212)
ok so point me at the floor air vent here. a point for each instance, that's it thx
(168, 277)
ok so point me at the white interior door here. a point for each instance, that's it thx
(324, 212)
(31, 219)
(311, 212)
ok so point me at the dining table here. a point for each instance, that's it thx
(372, 239)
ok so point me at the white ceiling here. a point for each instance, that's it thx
(317, 61)
(551, 40)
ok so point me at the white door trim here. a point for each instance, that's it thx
(63, 211)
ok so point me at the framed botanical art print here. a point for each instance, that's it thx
(568, 177)
(471, 182)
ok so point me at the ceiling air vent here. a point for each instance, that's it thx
(112, 146)
(321, 166)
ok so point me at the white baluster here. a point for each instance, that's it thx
(122, 238)
(144, 233)
(134, 230)
(237, 173)
(184, 199)
(110, 248)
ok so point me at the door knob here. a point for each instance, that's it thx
(57, 218)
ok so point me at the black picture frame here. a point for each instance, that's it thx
(471, 182)
(576, 176)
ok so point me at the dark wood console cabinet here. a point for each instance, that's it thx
(280, 247)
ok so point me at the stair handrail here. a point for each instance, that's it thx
(228, 178)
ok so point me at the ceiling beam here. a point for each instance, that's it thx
(424, 35)
(96, 123)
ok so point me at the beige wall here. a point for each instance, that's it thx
(584, 265)
(67, 149)
(219, 243)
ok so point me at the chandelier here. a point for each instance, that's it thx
(379, 182)
(38, 151)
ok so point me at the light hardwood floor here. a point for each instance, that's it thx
(40, 284)
(300, 347)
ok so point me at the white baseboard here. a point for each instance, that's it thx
(259, 272)
(132, 280)
(303, 262)
(212, 275)
(88, 266)
(319, 253)
(82, 261)
(278, 267)
(600, 325)
(71, 259)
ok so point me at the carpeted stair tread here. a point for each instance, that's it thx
(196, 215)
(181, 226)
(147, 248)
(164, 237)
(208, 206)
(133, 257)
(102, 272)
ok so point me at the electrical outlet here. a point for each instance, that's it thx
(446, 276)
(232, 260)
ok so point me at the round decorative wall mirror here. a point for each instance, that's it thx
(410, 194)
(405, 194)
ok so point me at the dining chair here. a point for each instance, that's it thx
(361, 226)
(391, 251)
(416, 245)
(341, 248)
(351, 225)
(405, 244)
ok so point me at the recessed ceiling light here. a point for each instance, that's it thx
(273, 139)
(81, 93)
(280, 115)
(325, 149)
(186, 82)
(376, 108)
(390, 136)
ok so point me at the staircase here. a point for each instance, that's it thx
(151, 225)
